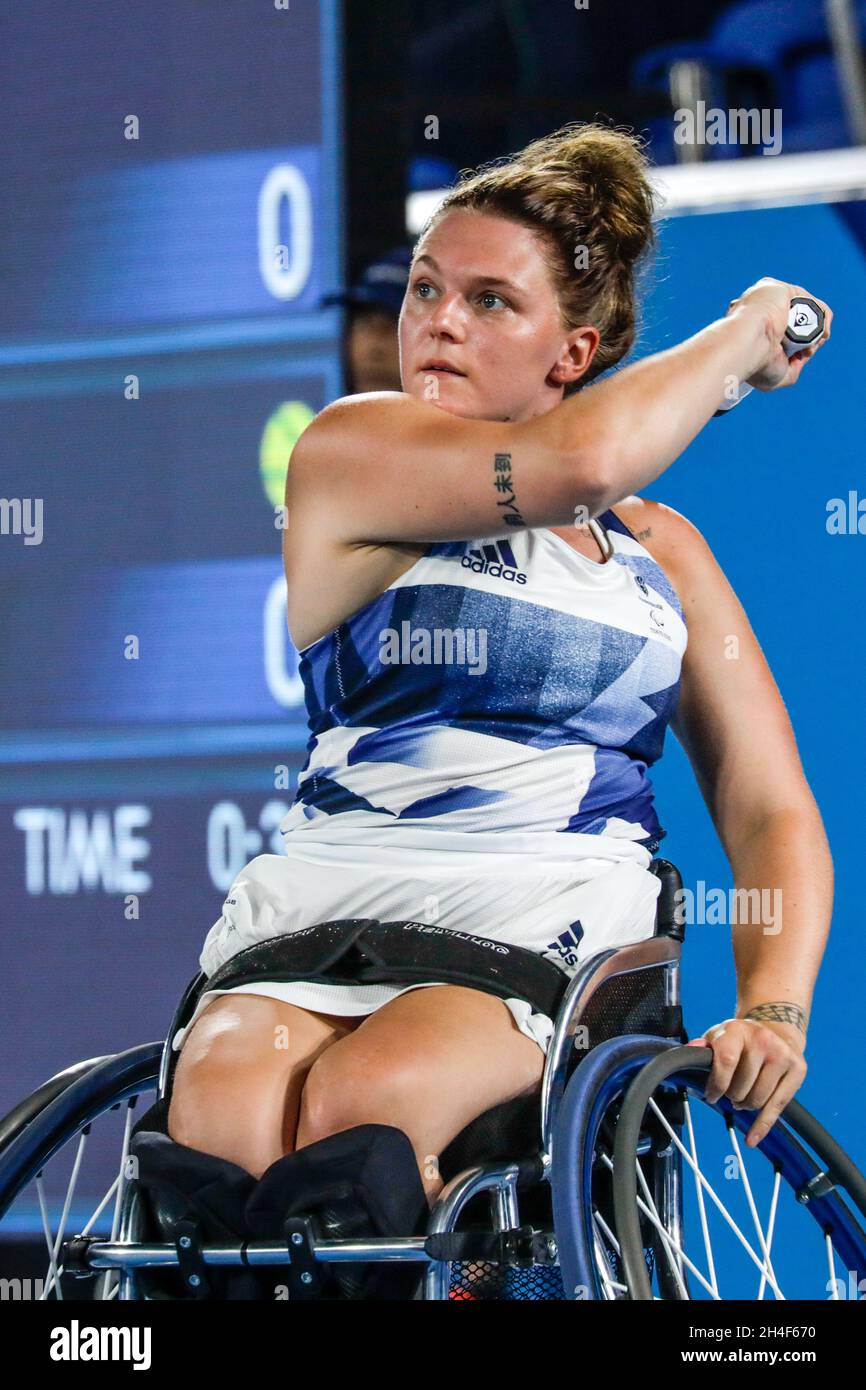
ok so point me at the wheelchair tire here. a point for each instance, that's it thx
(18, 1118)
(817, 1182)
(595, 1085)
(43, 1123)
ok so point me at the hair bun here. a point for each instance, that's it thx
(610, 168)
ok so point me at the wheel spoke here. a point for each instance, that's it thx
(831, 1262)
(650, 1210)
(608, 1233)
(747, 1188)
(115, 1190)
(667, 1239)
(718, 1201)
(70, 1190)
(771, 1224)
(46, 1230)
(702, 1209)
(113, 1275)
(609, 1284)
(667, 1235)
(95, 1215)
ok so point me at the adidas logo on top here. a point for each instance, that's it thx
(497, 560)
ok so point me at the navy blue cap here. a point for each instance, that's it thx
(382, 285)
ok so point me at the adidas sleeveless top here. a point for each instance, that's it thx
(496, 686)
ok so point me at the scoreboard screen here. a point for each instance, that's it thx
(171, 185)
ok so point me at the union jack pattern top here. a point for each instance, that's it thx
(508, 685)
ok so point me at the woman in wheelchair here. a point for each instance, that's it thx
(493, 632)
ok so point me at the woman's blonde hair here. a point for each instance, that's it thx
(585, 190)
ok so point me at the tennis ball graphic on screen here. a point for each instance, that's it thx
(279, 437)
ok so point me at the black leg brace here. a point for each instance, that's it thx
(362, 1182)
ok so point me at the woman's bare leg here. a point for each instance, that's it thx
(428, 1062)
(237, 1085)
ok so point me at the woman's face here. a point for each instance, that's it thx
(479, 298)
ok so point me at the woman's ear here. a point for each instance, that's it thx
(577, 353)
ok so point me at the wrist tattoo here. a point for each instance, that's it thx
(503, 484)
(779, 1012)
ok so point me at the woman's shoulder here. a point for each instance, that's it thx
(674, 542)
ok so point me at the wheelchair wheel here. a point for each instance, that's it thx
(17, 1119)
(655, 1196)
(61, 1172)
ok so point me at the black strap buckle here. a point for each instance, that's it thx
(305, 1279)
(188, 1243)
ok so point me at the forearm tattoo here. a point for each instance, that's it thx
(779, 1012)
(503, 484)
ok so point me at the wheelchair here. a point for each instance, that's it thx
(617, 1180)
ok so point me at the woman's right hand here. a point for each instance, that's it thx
(772, 299)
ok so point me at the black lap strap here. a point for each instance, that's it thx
(364, 951)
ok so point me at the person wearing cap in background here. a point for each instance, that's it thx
(371, 351)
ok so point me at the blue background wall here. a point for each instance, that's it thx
(757, 483)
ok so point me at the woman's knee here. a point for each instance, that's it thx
(237, 1084)
(347, 1087)
(428, 1066)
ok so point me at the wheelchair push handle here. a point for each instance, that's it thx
(805, 326)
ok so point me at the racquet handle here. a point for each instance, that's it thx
(805, 326)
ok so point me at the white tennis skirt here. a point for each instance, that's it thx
(565, 896)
